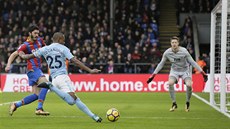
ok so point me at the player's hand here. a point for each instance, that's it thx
(7, 68)
(151, 78)
(205, 76)
(95, 71)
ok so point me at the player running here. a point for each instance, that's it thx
(34, 73)
(56, 55)
(180, 68)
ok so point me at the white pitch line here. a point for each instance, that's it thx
(154, 118)
(2, 104)
(197, 96)
(215, 107)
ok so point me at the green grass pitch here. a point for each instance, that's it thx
(138, 111)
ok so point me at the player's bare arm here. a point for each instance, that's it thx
(26, 56)
(82, 66)
(10, 60)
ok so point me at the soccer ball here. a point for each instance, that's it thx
(113, 114)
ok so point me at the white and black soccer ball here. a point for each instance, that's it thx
(113, 114)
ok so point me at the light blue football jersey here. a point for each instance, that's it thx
(55, 56)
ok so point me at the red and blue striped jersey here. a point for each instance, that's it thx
(29, 47)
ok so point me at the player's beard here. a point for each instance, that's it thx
(33, 38)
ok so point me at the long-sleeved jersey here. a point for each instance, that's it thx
(180, 61)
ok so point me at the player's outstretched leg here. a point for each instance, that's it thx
(65, 96)
(27, 100)
(187, 105)
(97, 118)
(174, 106)
(70, 100)
(86, 110)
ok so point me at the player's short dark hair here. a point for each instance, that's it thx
(32, 28)
(175, 37)
(57, 36)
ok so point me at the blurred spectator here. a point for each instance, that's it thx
(187, 27)
(144, 55)
(155, 55)
(186, 35)
(110, 67)
(194, 6)
(152, 68)
(119, 59)
(201, 63)
(1, 67)
(128, 64)
(17, 67)
(136, 56)
(206, 59)
(187, 42)
(84, 61)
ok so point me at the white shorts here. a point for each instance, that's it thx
(63, 83)
(185, 74)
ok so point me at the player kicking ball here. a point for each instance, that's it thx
(56, 55)
(180, 68)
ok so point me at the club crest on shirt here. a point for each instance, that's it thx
(177, 59)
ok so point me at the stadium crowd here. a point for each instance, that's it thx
(186, 31)
(194, 6)
(86, 26)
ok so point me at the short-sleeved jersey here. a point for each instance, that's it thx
(55, 56)
(29, 47)
(180, 61)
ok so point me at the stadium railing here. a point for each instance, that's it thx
(118, 68)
